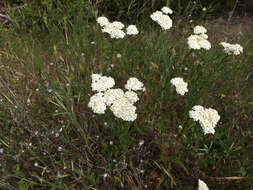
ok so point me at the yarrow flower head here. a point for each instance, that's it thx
(102, 21)
(207, 117)
(113, 94)
(235, 49)
(198, 42)
(166, 10)
(202, 185)
(120, 103)
(134, 84)
(199, 30)
(114, 31)
(162, 19)
(132, 30)
(97, 103)
(118, 25)
(101, 83)
(181, 86)
(123, 109)
(131, 96)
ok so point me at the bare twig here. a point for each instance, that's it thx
(231, 13)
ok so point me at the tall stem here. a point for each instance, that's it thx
(112, 50)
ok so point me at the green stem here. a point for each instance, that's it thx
(112, 51)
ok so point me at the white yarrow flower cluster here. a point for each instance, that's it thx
(207, 117)
(199, 40)
(202, 185)
(134, 84)
(162, 19)
(101, 83)
(235, 49)
(97, 103)
(181, 86)
(120, 102)
(132, 30)
(199, 30)
(115, 29)
(103, 21)
(166, 10)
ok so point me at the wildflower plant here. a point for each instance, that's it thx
(235, 49)
(119, 102)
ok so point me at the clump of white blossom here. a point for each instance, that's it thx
(166, 10)
(103, 21)
(114, 31)
(101, 83)
(181, 86)
(199, 40)
(115, 28)
(97, 103)
(132, 30)
(199, 30)
(119, 102)
(131, 96)
(124, 109)
(162, 19)
(202, 185)
(134, 84)
(112, 94)
(235, 49)
(207, 117)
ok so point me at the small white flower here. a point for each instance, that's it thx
(97, 103)
(37, 89)
(131, 96)
(103, 21)
(180, 127)
(111, 142)
(123, 109)
(132, 30)
(181, 86)
(1, 150)
(199, 29)
(134, 84)
(36, 164)
(207, 117)
(92, 42)
(50, 90)
(163, 20)
(112, 94)
(82, 54)
(113, 31)
(118, 25)
(166, 10)
(59, 149)
(204, 9)
(156, 15)
(202, 185)
(106, 175)
(101, 83)
(198, 42)
(141, 142)
(56, 134)
(118, 55)
(67, 85)
(235, 49)
(51, 63)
